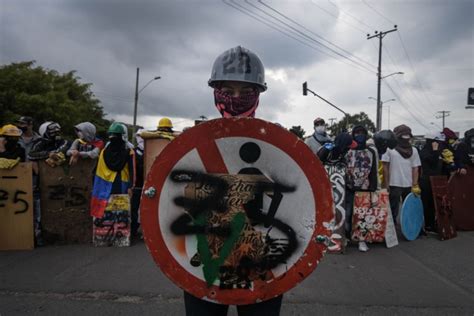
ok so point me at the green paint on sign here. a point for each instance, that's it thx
(211, 266)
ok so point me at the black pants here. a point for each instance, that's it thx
(428, 203)
(197, 307)
(395, 194)
(135, 207)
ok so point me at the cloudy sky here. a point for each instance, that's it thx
(323, 42)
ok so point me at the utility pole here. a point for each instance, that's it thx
(332, 119)
(443, 115)
(136, 103)
(380, 35)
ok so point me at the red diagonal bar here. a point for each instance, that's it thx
(211, 157)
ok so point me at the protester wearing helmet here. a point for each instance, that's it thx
(28, 136)
(361, 173)
(115, 170)
(319, 137)
(385, 139)
(10, 151)
(50, 147)
(165, 125)
(401, 168)
(87, 145)
(164, 130)
(238, 78)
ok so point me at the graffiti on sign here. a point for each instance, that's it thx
(113, 229)
(235, 219)
(225, 212)
(16, 208)
(65, 194)
(369, 219)
(337, 177)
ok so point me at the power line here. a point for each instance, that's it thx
(337, 17)
(317, 35)
(267, 22)
(356, 19)
(303, 34)
(406, 107)
(414, 72)
(376, 11)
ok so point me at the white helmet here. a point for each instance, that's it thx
(435, 136)
(43, 127)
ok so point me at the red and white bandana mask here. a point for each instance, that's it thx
(243, 105)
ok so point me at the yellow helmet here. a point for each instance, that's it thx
(165, 122)
(10, 130)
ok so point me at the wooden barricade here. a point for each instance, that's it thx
(16, 208)
(460, 188)
(65, 200)
(153, 147)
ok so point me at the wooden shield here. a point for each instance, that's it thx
(16, 208)
(65, 199)
(443, 207)
(461, 189)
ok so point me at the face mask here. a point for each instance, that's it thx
(116, 140)
(243, 105)
(11, 143)
(320, 129)
(23, 128)
(360, 139)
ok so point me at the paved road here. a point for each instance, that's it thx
(424, 277)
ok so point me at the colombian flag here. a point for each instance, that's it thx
(103, 180)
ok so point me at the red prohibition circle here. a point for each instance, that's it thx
(203, 138)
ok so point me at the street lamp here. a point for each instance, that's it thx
(137, 92)
(381, 105)
(395, 73)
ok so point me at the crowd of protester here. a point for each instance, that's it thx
(386, 160)
(389, 160)
(119, 167)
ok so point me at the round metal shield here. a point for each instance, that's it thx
(233, 209)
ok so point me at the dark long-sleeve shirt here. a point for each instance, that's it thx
(43, 147)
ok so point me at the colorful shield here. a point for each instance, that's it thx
(233, 209)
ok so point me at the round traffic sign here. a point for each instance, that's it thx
(233, 209)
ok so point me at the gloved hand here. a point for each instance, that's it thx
(416, 190)
(448, 156)
(8, 163)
